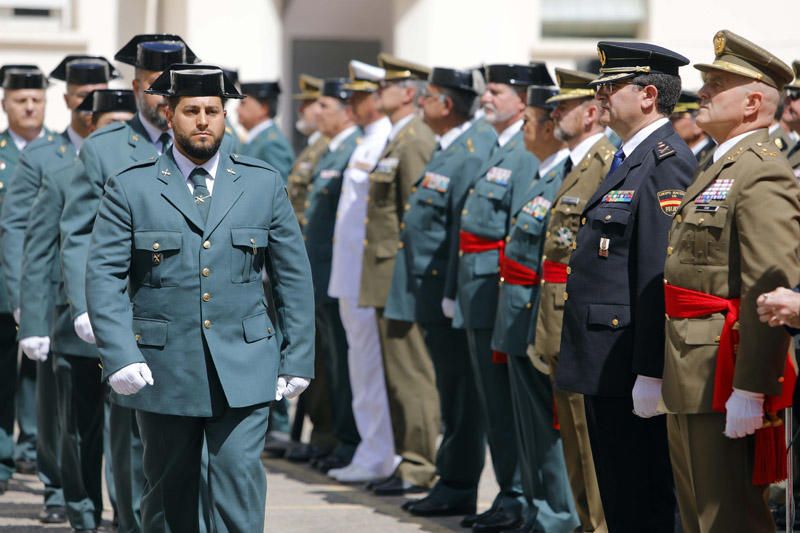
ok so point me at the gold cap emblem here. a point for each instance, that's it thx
(719, 43)
(602, 56)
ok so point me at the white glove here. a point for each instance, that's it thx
(646, 396)
(131, 379)
(290, 387)
(744, 413)
(448, 307)
(15, 314)
(36, 348)
(83, 328)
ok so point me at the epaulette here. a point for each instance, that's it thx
(663, 150)
(764, 150)
(41, 142)
(150, 161)
(251, 161)
(114, 126)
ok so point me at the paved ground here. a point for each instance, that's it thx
(299, 500)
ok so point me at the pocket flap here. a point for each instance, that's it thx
(257, 327)
(530, 225)
(160, 241)
(150, 331)
(613, 216)
(714, 219)
(432, 198)
(487, 263)
(491, 190)
(609, 315)
(386, 249)
(249, 237)
(703, 331)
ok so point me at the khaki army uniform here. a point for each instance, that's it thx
(413, 399)
(578, 186)
(781, 140)
(735, 235)
(301, 174)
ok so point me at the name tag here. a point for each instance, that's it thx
(618, 197)
(537, 208)
(570, 200)
(387, 164)
(329, 173)
(435, 182)
(706, 208)
(499, 175)
(717, 191)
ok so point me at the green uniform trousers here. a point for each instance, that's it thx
(413, 399)
(237, 483)
(80, 395)
(541, 456)
(462, 451)
(25, 398)
(126, 462)
(48, 433)
(8, 388)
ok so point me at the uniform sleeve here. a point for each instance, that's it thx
(290, 276)
(767, 221)
(284, 159)
(107, 268)
(412, 161)
(467, 174)
(14, 219)
(80, 208)
(39, 258)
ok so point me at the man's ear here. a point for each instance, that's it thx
(171, 113)
(752, 104)
(649, 97)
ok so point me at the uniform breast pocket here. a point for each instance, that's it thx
(526, 238)
(611, 221)
(249, 251)
(157, 258)
(488, 205)
(430, 209)
(380, 188)
(705, 239)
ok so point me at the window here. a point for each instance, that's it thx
(40, 15)
(593, 18)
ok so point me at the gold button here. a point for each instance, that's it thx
(716, 339)
(544, 257)
(137, 337)
(463, 212)
(701, 221)
(607, 217)
(269, 330)
(665, 281)
(502, 280)
(781, 379)
(207, 244)
(508, 239)
(524, 226)
(679, 218)
(207, 324)
(307, 204)
(574, 245)
(461, 253)
(528, 305)
(414, 189)
(205, 272)
(407, 207)
(569, 270)
(542, 282)
(568, 210)
(583, 221)
(513, 220)
(430, 200)
(614, 322)
(566, 296)
(400, 244)
(546, 233)
(402, 225)
(206, 297)
(435, 272)
(472, 191)
(669, 250)
(491, 195)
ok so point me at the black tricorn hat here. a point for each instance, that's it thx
(519, 75)
(194, 80)
(84, 70)
(232, 74)
(106, 100)
(22, 77)
(538, 96)
(451, 78)
(336, 88)
(261, 89)
(155, 52)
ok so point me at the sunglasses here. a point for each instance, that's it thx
(793, 94)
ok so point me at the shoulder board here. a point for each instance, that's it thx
(139, 164)
(663, 150)
(250, 161)
(41, 142)
(114, 126)
(764, 150)
(470, 145)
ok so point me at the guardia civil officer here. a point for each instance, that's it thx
(544, 474)
(23, 103)
(734, 237)
(612, 339)
(177, 299)
(473, 275)
(428, 236)
(579, 124)
(80, 391)
(684, 120)
(264, 139)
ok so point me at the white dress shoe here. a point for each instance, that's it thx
(354, 473)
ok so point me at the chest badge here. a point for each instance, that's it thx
(498, 175)
(717, 191)
(618, 197)
(537, 208)
(166, 172)
(435, 182)
(670, 200)
(605, 243)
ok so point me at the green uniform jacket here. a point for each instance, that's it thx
(485, 214)
(320, 213)
(530, 211)
(38, 158)
(271, 146)
(104, 153)
(430, 227)
(160, 281)
(299, 181)
(42, 283)
(398, 168)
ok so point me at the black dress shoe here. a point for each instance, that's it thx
(500, 520)
(372, 484)
(299, 453)
(437, 507)
(527, 527)
(26, 467)
(470, 519)
(329, 463)
(396, 486)
(53, 515)
(3, 486)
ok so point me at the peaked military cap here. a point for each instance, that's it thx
(336, 88)
(155, 52)
(733, 53)
(519, 75)
(261, 89)
(541, 96)
(400, 69)
(688, 101)
(84, 70)
(622, 61)
(194, 80)
(451, 78)
(309, 88)
(572, 85)
(22, 77)
(107, 100)
(795, 84)
(364, 77)
(232, 74)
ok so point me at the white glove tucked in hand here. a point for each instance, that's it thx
(290, 387)
(16, 314)
(744, 413)
(131, 379)
(36, 348)
(448, 307)
(83, 328)
(646, 395)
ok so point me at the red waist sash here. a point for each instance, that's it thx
(469, 243)
(515, 273)
(553, 272)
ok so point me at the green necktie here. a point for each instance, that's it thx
(202, 198)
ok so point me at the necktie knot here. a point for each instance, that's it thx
(165, 141)
(619, 157)
(198, 177)
(202, 196)
(568, 166)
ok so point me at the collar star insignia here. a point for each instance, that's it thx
(200, 199)
(230, 171)
(3, 143)
(166, 172)
(135, 138)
